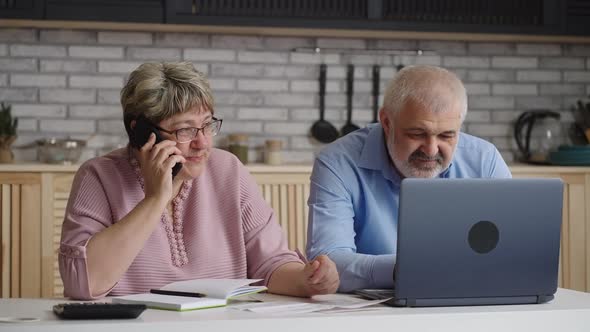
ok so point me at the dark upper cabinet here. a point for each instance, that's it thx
(105, 10)
(578, 17)
(543, 17)
(485, 16)
(32, 9)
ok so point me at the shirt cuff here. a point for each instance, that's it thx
(383, 271)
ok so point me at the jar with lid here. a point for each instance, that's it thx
(272, 153)
(238, 145)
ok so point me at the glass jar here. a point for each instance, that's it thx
(272, 153)
(238, 145)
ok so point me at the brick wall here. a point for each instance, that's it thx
(66, 83)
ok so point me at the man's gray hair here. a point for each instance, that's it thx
(435, 88)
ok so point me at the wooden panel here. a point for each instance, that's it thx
(31, 246)
(20, 178)
(587, 237)
(47, 256)
(574, 259)
(284, 210)
(577, 234)
(16, 241)
(301, 218)
(564, 256)
(292, 219)
(62, 184)
(6, 245)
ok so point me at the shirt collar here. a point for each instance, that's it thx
(374, 155)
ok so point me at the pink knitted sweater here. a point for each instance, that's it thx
(221, 226)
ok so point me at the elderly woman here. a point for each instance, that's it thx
(131, 226)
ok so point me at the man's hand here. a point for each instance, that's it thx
(321, 276)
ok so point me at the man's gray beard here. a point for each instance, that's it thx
(409, 171)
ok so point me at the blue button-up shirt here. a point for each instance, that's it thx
(354, 199)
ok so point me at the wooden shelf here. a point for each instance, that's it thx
(291, 32)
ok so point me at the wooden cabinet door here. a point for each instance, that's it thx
(575, 229)
(287, 194)
(20, 232)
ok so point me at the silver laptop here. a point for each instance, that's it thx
(476, 242)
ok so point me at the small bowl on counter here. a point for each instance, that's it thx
(63, 151)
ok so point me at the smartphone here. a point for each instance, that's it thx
(141, 133)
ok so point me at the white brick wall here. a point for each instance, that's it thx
(514, 62)
(18, 65)
(496, 75)
(79, 81)
(181, 39)
(67, 82)
(262, 85)
(18, 35)
(96, 52)
(68, 66)
(561, 63)
(19, 80)
(67, 37)
(466, 62)
(125, 38)
(538, 76)
(37, 51)
(47, 95)
(18, 94)
(262, 57)
(39, 110)
(535, 49)
(158, 54)
(205, 55)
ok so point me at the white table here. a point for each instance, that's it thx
(569, 311)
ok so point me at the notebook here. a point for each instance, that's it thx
(215, 292)
(476, 242)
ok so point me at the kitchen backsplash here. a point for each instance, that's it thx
(66, 83)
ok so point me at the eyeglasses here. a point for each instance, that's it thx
(185, 135)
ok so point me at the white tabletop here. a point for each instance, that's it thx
(569, 311)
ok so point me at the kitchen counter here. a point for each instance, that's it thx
(287, 168)
(34, 197)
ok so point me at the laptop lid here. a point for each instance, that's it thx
(478, 241)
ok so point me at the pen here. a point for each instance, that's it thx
(176, 293)
(301, 256)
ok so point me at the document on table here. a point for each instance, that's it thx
(276, 304)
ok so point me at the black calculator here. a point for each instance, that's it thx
(98, 310)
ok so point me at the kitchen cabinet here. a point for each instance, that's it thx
(33, 199)
(485, 16)
(529, 17)
(32, 9)
(105, 10)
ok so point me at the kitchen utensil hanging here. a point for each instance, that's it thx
(349, 127)
(323, 130)
(376, 79)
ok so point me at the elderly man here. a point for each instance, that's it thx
(355, 184)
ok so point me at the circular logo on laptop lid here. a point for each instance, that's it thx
(483, 237)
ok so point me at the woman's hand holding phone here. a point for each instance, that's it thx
(156, 162)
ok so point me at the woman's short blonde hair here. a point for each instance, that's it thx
(161, 90)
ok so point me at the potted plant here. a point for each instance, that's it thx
(7, 133)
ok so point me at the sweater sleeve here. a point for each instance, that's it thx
(87, 213)
(266, 244)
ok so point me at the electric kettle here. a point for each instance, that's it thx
(537, 133)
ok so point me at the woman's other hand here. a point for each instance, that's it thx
(156, 162)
